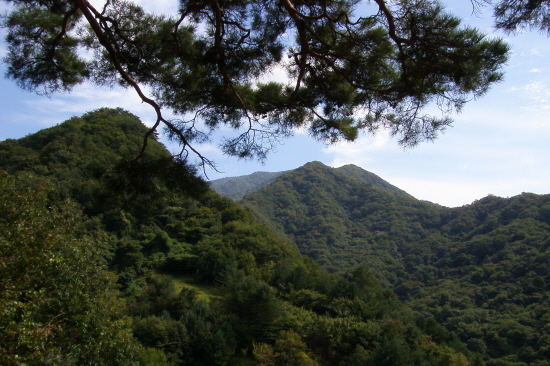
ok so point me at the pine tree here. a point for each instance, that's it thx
(348, 71)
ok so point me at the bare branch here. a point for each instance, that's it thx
(296, 16)
(391, 24)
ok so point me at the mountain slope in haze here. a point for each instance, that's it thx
(482, 270)
(203, 281)
(237, 187)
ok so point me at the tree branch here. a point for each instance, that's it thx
(88, 10)
(391, 24)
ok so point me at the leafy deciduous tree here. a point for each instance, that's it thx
(57, 304)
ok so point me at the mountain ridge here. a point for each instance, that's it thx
(237, 187)
(318, 191)
(482, 270)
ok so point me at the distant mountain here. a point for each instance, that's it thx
(482, 270)
(329, 212)
(237, 187)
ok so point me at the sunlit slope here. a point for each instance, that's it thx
(483, 270)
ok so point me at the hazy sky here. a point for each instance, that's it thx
(499, 144)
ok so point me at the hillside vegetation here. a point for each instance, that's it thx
(482, 270)
(109, 261)
(238, 187)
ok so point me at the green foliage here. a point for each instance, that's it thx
(158, 296)
(58, 305)
(154, 357)
(263, 293)
(514, 15)
(289, 349)
(349, 71)
(480, 270)
(256, 308)
(168, 337)
(212, 339)
(187, 330)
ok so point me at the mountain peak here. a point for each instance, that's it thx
(368, 177)
(237, 187)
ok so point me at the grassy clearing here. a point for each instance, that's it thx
(205, 292)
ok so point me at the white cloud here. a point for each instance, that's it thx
(535, 70)
(539, 94)
(169, 7)
(530, 100)
(358, 152)
(446, 193)
(454, 193)
(279, 73)
(533, 52)
(88, 97)
(534, 88)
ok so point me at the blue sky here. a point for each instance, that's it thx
(498, 145)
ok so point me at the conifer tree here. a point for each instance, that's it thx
(349, 70)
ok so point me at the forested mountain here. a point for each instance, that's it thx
(482, 270)
(237, 187)
(324, 211)
(157, 269)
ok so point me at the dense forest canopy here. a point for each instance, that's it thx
(481, 270)
(349, 69)
(160, 276)
(58, 305)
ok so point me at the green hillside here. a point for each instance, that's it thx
(368, 177)
(339, 220)
(160, 270)
(482, 270)
(238, 187)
